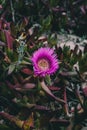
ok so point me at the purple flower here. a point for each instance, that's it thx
(44, 62)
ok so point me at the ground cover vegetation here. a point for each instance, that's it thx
(43, 64)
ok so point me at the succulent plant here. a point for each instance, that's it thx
(43, 85)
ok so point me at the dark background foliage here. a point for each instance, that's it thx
(65, 14)
(22, 23)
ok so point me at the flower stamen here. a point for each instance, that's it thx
(43, 64)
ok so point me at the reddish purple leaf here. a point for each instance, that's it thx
(12, 118)
(20, 87)
(2, 43)
(83, 9)
(1, 7)
(0, 24)
(85, 90)
(9, 39)
(28, 86)
(42, 108)
(4, 24)
(26, 71)
(25, 20)
(47, 90)
(61, 122)
(53, 88)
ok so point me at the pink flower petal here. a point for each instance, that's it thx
(44, 56)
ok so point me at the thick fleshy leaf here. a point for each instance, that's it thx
(65, 74)
(47, 90)
(9, 39)
(11, 68)
(83, 9)
(1, 7)
(2, 43)
(12, 119)
(26, 71)
(66, 104)
(42, 39)
(20, 87)
(29, 123)
(60, 122)
(28, 85)
(42, 108)
(84, 88)
(53, 88)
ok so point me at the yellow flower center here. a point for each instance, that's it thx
(43, 64)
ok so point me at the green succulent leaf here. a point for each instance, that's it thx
(11, 68)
